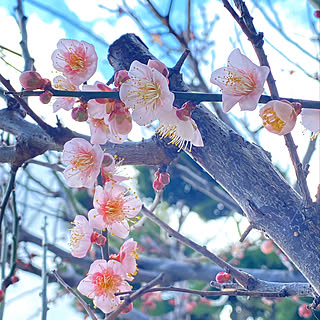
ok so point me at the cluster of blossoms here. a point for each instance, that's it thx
(144, 97)
(242, 82)
(112, 209)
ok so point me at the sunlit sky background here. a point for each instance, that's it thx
(49, 21)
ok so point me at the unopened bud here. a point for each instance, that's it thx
(1, 295)
(164, 178)
(98, 239)
(157, 185)
(223, 277)
(128, 308)
(31, 80)
(79, 113)
(14, 279)
(120, 77)
(45, 97)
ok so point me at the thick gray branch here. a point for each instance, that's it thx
(247, 174)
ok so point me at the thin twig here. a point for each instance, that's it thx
(70, 290)
(243, 279)
(134, 296)
(182, 95)
(22, 22)
(246, 232)
(44, 274)
(7, 195)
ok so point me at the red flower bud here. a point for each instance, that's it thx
(14, 279)
(120, 77)
(46, 97)
(223, 277)
(164, 178)
(157, 185)
(128, 308)
(31, 80)
(79, 113)
(1, 295)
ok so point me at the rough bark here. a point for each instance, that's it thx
(247, 174)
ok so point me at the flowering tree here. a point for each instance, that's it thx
(104, 211)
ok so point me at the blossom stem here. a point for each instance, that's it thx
(194, 96)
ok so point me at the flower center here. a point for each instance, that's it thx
(75, 61)
(113, 210)
(147, 91)
(237, 81)
(269, 117)
(106, 283)
(82, 161)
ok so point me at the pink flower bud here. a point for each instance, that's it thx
(45, 97)
(31, 80)
(304, 312)
(120, 77)
(79, 113)
(164, 178)
(157, 185)
(278, 117)
(1, 295)
(128, 308)
(98, 239)
(267, 246)
(223, 277)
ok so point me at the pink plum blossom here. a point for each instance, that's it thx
(81, 236)
(83, 163)
(182, 132)
(311, 120)
(103, 281)
(66, 103)
(240, 82)
(112, 209)
(99, 130)
(278, 117)
(102, 131)
(147, 92)
(127, 256)
(76, 60)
